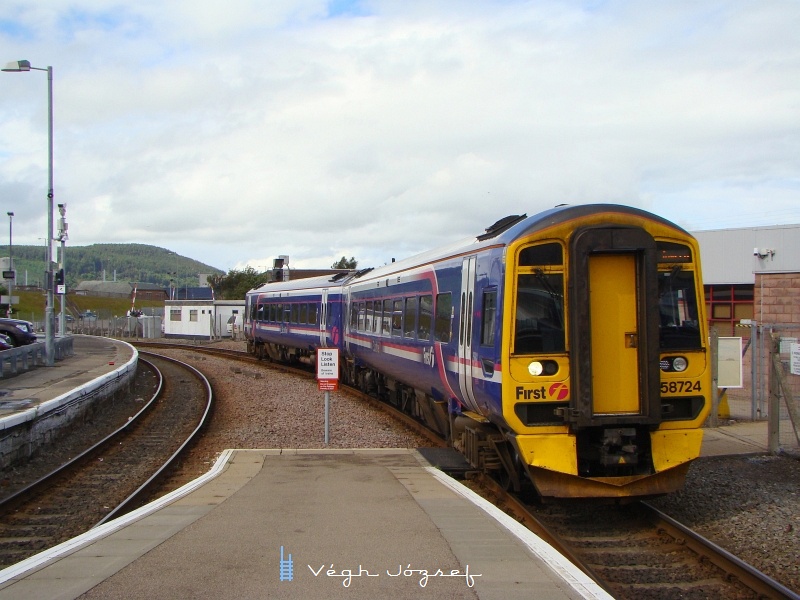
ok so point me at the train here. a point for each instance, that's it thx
(567, 350)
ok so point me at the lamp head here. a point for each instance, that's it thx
(16, 66)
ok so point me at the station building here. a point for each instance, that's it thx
(751, 273)
(203, 319)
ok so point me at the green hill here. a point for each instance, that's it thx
(126, 262)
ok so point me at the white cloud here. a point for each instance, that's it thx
(239, 132)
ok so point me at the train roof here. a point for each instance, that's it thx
(501, 233)
(307, 283)
(506, 230)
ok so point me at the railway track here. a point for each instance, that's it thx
(636, 552)
(632, 551)
(109, 478)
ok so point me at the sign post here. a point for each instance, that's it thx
(328, 380)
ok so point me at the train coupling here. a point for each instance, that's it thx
(618, 447)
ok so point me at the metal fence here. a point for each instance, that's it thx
(766, 368)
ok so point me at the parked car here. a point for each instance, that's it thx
(21, 332)
(5, 342)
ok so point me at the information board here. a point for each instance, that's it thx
(729, 363)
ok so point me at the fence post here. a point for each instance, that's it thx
(774, 423)
(713, 420)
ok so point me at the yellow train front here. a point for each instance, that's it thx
(606, 379)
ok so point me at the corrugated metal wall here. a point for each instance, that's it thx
(728, 254)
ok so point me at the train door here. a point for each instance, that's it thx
(615, 333)
(323, 317)
(614, 347)
(465, 367)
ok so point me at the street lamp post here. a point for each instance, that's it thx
(17, 67)
(10, 265)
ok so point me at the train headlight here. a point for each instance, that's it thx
(535, 368)
(679, 364)
(543, 367)
(675, 364)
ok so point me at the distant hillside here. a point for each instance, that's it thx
(130, 262)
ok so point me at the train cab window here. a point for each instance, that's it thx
(410, 318)
(540, 314)
(539, 317)
(444, 310)
(397, 318)
(551, 254)
(677, 302)
(489, 316)
(387, 317)
(425, 317)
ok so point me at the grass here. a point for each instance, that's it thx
(32, 304)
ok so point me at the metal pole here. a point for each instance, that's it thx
(327, 417)
(48, 313)
(10, 266)
(753, 368)
(713, 420)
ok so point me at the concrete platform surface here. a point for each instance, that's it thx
(309, 524)
(747, 437)
(28, 393)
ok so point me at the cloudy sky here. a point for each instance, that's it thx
(232, 132)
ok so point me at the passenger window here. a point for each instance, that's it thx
(369, 316)
(312, 314)
(376, 320)
(387, 317)
(361, 315)
(397, 318)
(303, 313)
(425, 317)
(444, 309)
(410, 318)
(489, 315)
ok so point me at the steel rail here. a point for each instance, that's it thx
(749, 576)
(45, 479)
(140, 491)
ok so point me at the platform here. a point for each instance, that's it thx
(308, 524)
(95, 358)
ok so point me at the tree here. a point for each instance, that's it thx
(236, 284)
(344, 263)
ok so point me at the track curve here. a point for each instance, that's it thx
(103, 479)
